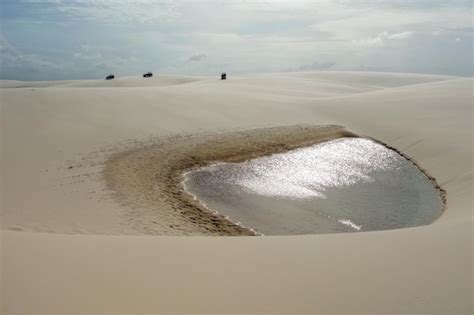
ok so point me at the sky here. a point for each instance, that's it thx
(88, 39)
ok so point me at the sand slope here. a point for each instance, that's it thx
(47, 130)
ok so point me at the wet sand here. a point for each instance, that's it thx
(148, 179)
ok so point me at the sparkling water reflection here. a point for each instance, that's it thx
(344, 185)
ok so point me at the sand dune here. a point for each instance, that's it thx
(33, 84)
(56, 209)
(128, 81)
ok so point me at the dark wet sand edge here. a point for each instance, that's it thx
(148, 179)
(441, 191)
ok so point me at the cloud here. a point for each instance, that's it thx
(90, 37)
(111, 11)
(197, 57)
(317, 66)
(351, 23)
(14, 60)
(102, 57)
(383, 37)
(402, 35)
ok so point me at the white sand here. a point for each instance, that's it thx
(48, 127)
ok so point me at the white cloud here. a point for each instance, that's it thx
(102, 57)
(112, 11)
(383, 38)
(402, 35)
(317, 66)
(11, 57)
(203, 37)
(197, 57)
(355, 24)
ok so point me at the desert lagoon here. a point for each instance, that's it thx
(343, 185)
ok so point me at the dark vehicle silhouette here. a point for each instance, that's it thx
(148, 75)
(223, 76)
(110, 77)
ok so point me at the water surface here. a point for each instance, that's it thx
(344, 185)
